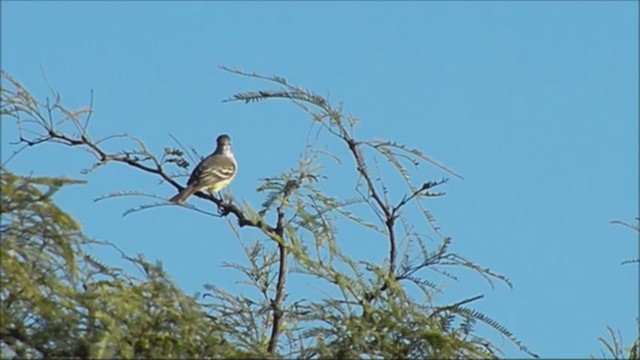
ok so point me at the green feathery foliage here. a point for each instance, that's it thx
(614, 346)
(351, 308)
(57, 300)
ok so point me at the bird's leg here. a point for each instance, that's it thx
(222, 210)
(216, 195)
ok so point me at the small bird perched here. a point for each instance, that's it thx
(212, 173)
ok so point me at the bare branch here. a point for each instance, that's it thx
(277, 304)
(633, 227)
(20, 102)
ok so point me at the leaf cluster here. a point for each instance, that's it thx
(57, 300)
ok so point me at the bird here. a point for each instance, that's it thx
(213, 173)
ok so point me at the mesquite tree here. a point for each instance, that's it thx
(374, 314)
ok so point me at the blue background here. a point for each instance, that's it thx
(534, 103)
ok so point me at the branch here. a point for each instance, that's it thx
(20, 103)
(333, 121)
(633, 227)
(278, 311)
(456, 305)
(422, 191)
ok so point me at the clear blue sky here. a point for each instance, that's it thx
(534, 103)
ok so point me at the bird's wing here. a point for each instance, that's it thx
(213, 168)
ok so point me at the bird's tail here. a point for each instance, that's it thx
(183, 195)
